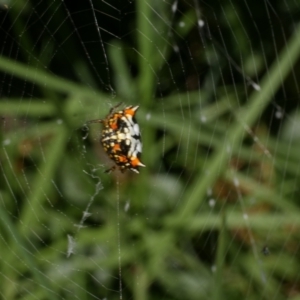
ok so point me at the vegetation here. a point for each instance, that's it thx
(214, 215)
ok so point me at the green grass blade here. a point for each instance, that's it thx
(257, 102)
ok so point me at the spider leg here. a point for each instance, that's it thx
(95, 121)
(110, 169)
(114, 107)
(103, 120)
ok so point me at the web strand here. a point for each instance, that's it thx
(119, 239)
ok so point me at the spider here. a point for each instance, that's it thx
(121, 138)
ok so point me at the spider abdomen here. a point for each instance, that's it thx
(121, 139)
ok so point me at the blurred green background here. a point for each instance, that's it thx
(215, 214)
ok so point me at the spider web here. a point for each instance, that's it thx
(215, 214)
